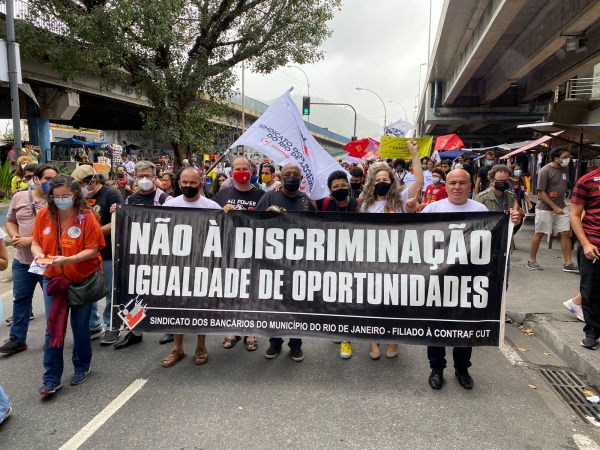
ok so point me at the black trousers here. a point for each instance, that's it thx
(589, 287)
(461, 356)
(278, 342)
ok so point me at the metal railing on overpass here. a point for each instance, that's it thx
(578, 89)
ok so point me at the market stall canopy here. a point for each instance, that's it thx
(530, 145)
(72, 142)
(584, 137)
(453, 154)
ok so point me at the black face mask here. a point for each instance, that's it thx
(382, 188)
(291, 184)
(356, 186)
(120, 174)
(501, 186)
(189, 191)
(340, 194)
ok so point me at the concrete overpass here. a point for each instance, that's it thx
(495, 63)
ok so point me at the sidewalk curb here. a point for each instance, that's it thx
(572, 353)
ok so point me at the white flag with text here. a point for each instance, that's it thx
(280, 134)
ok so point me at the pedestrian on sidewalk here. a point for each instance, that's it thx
(585, 202)
(458, 186)
(20, 219)
(551, 212)
(5, 408)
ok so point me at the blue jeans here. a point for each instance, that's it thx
(24, 284)
(82, 342)
(95, 322)
(4, 404)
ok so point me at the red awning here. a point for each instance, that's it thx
(530, 145)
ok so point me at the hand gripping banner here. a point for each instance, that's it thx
(426, 279)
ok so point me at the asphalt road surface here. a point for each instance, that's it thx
(240, 400)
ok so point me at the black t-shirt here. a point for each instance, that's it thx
(352, 205)
(101, 203)
(242, 200)
(146, 200)
(483, 175)
(285, 203)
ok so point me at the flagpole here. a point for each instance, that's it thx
(243, 110)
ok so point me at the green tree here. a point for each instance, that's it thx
(180, 54)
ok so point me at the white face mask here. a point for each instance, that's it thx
(31, 184)
(23, 166)
(435, 180)
(145, 184)
(565, 162)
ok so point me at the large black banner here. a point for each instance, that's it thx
(435, 279)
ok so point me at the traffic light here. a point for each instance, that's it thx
(306, 106)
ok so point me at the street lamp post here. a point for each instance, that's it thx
(307, 84)
(382, 102)
(405, 116)
(420, 67)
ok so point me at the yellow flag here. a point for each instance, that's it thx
(396, 147)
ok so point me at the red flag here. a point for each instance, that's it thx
(359, 148)
(448, 142)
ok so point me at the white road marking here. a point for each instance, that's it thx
(512, 356)
(584, 442)
(84, 434)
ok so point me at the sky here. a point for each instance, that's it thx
(377, 45)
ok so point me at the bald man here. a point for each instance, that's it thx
(458, 187)
(289, 198)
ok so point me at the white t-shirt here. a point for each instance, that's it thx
(270, 188)
(129, 168)
(409, 178)
(378, 206)
(444, 206)
(426, 178)
(202, 202)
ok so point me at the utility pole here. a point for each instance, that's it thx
(11, 45)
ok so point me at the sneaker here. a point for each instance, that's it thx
(49, 388)
(7, 415)
(79, 377)
(11, 346)
(297, 354)
(575, 309)
(533, 265)
(272, 352)
(589, 343)
(110, 337)
(97, 333)
(571, 268)
(10, 319)
(346, 350)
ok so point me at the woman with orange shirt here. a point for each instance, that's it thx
(68, 236)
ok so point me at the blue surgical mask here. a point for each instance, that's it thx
(518, 173)
(490, 163)
(424, 166)
(64, 203)
(253, 179)
(45, 186)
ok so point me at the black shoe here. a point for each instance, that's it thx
(10, 319)
(272, 352)
(11, 346)
(129, 340)
(589, 343)
(464, 379)
(166, 339)
(436, 378)
(297, 354)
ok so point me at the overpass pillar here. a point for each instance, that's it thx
(39, 130)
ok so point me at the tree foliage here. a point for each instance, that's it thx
(180, 54)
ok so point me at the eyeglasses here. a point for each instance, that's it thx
(28, 177)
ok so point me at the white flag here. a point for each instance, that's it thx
(398, 129)
(281, 135)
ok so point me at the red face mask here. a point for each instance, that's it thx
(242, 176)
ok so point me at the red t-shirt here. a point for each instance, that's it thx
(434, 193)
(82, 232)
(587, 193)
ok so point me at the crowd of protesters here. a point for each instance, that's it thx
(63, 223)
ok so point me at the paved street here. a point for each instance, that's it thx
(241, 400)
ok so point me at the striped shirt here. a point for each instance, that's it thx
(587, 193)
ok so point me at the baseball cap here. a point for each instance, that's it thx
(83, 172)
